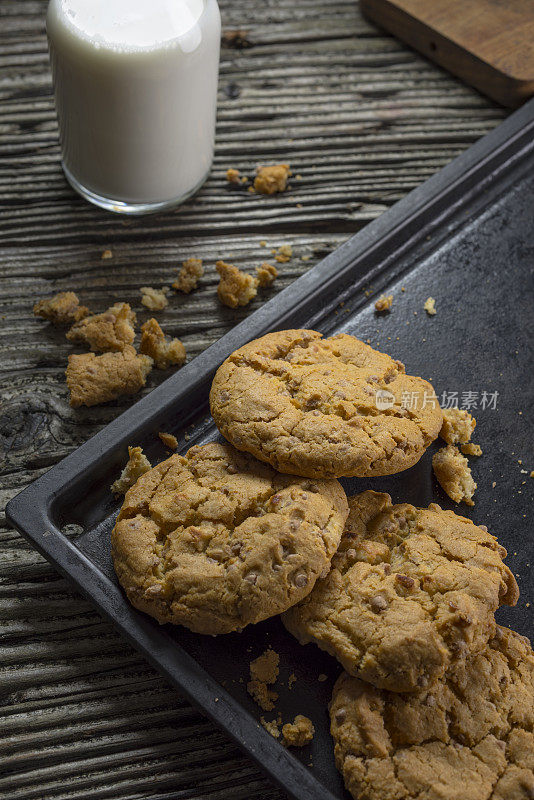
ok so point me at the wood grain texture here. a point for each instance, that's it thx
(363, 120)
(488, 43)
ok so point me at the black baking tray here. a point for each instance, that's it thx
(466, 238)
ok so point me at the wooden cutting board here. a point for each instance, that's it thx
(487, 43)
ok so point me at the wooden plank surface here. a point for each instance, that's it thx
(363, 120)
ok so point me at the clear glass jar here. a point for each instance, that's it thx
(135, 83)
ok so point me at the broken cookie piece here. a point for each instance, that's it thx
(283, 254)
(430, 306)
(299, 732)
(266, 275)
(272, 726)
(471, 449)
(169, 440)
(189, 275)
(235, 288)
(93, 380)
(264, 672)
(458, 425)
(233, 176)
(270, 180)
(111, 331)
(154, 299)
(451, 469)
(384, 303)
(154, 343)
(62, 309)
(136, 466)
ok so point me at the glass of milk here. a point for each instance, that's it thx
(135, 83)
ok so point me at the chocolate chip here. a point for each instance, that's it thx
(405, 581)
(341, 716)
(378, 603)
(300, 579)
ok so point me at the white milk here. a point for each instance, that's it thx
(136, 94)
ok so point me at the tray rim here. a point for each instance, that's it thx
(31, 511)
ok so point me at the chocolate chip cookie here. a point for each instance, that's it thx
(469, 737)
(215, 540)
(323, 408)
(410, 591)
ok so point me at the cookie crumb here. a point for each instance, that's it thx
(235, 39)
(106, 255)
(266, 274)
(291, 681)
(451, 469)
(471, 449)
(165, 352)
(235, 288)
(93, 380)
(430, 306)
(270, 180)
(264, 672)
(136, 466)
(233, 176)
(384, 303)
(154, 299)
(299, 732)
(111, 331)
(189, 275)
(272, 726)
(169, 440)
(266, 667)
(62, 309)
(458, 426)
(283, 254)
(263, 243)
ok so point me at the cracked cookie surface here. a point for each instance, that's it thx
(410, 591)
(470, 737)
(308, 406)
(215, 540)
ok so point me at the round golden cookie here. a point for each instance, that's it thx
(410, 591)
(215, 540)
(324, 408)
(470, 737)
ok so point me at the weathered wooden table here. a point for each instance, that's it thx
(363, 120)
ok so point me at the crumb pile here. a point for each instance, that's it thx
(189, 275)
(237, 288)
(263, 673)
(118, 369)
(450, 467)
